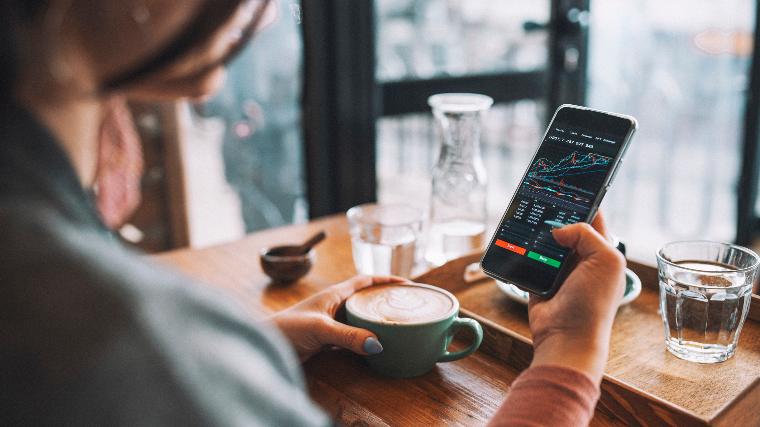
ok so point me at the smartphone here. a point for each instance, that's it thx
(581, 152)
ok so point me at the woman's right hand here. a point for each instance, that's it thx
(572, 329)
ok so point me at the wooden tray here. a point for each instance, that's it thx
(643, 383)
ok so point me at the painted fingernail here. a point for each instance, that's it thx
(372, 346)
(554, 224)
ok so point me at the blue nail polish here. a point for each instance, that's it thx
(554, 224)
(372, 346)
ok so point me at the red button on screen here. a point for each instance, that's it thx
(510, 247)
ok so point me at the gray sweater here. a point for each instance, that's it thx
(93, 334)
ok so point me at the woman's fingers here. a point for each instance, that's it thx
(586, 241)
(360, 341)
(534, 299)
(379, 280)
(600, 225)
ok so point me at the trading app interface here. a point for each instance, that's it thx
(559, 188)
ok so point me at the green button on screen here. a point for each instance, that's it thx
(545, 259)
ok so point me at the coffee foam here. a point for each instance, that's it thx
(401, 304)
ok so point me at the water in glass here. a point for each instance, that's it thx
(704, 304)
(384, 238)
(384, 256)
(450, 239)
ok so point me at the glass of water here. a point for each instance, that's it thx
(705, 292)
(384, 238)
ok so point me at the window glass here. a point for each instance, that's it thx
(247, 146)
(680, 67)
(422, 39)
(431, 38)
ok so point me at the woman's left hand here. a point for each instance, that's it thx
(310, 325)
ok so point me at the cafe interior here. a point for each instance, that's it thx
(326, 138)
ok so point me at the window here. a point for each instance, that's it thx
(681, 67)
(424, 39)
(682, 74)
(420, 40)
(244, 151)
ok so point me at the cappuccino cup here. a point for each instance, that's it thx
(415, 324)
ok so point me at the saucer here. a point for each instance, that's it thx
(632, 289)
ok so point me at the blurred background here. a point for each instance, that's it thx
(327, 109)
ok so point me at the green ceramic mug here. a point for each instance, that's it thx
(415, 324)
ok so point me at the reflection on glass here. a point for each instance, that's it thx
(258, 112)
(429, 38)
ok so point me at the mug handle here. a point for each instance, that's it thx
(476, 330)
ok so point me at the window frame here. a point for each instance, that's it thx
(747, 219)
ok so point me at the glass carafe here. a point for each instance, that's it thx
(458, 203)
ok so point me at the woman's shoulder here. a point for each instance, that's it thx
(63, 267)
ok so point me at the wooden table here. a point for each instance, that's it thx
(643, 384)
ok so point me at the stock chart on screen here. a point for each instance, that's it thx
(559, 188)
(565, 181)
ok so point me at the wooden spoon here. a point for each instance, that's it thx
(313, 241)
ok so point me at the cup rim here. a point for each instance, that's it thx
(460, 102)
(416, 216)
(750, 252)
(449, 314)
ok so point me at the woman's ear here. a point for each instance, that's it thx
(119, 164)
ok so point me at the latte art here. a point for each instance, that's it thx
(407, 304)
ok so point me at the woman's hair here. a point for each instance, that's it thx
(209, 18)
(15, 12)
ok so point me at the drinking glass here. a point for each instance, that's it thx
(705, 292)
(384, 238)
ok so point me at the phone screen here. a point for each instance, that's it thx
(563, 185)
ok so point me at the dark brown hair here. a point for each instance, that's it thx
(203, 26)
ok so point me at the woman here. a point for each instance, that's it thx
(95, 334)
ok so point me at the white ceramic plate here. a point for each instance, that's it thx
(632, 288)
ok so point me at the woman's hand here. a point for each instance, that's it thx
(573, 328)
(310, 325)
